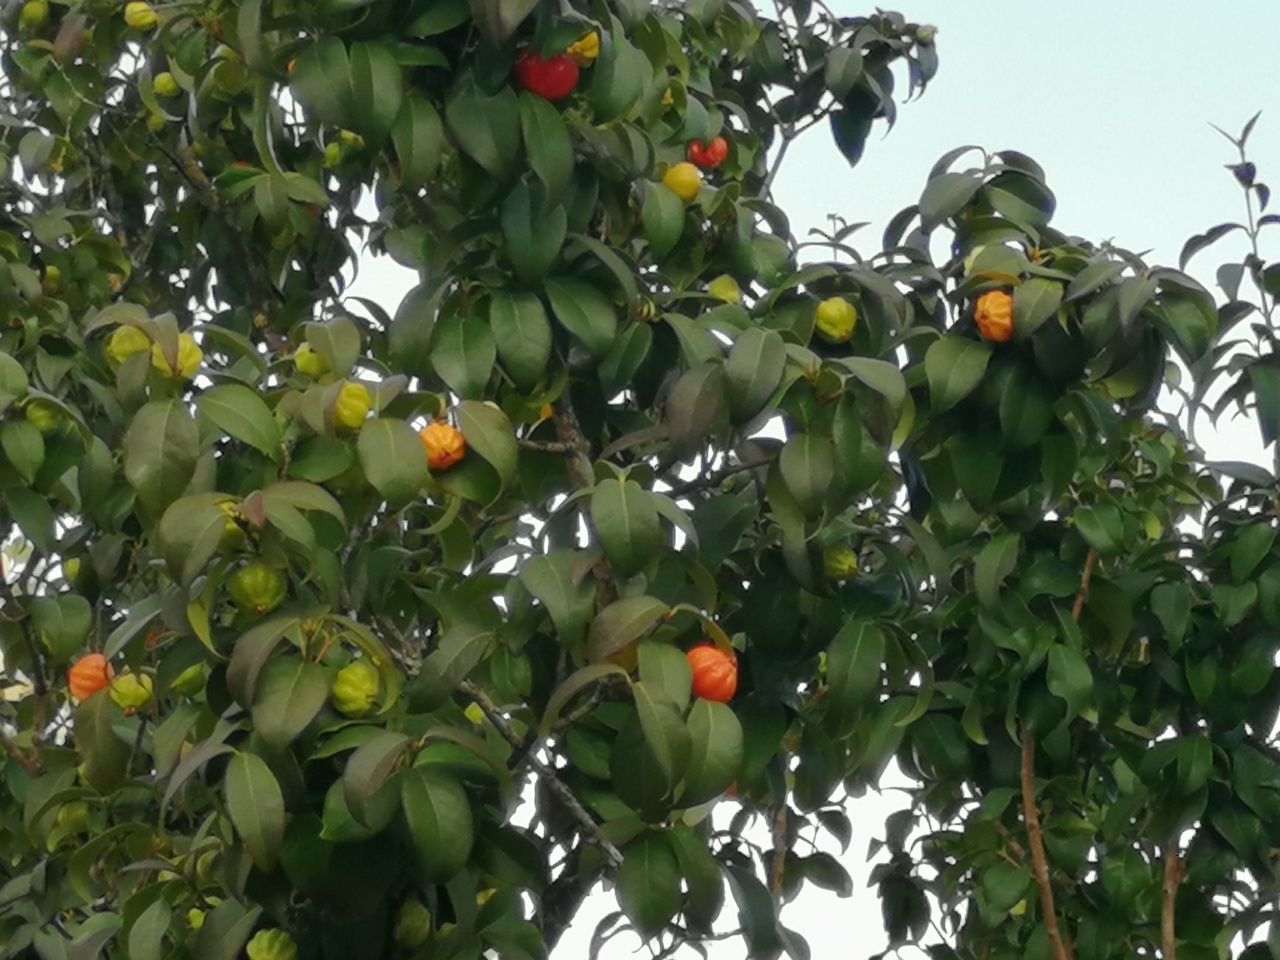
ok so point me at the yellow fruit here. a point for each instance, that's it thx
(165, 85)
(52, 279)
(73, 817)
(132, 691)
(725, 288)
(835, 319)
(445, 445)
(43, 415)
(474, 713)
(190, 356)
(34, 14)
(189, 682)
(586, 51)
(257, 588)
(355, 688)
(684, 180)
(271, 945)
(413, 925)
(309, 362)
(125, 342)
(232, 538)
(156, 122)
(352, 406)
(840, 563)
(140, 16)
(195, 918)
(484, 896)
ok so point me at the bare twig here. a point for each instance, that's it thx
(546, 446)
(1082, 595)
(1035, 840)
(780, 848)
(590, 829)
(714, 478)
(1173, 874)
(570, 433)
(30, 764)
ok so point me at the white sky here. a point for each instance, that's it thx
(1114, 100)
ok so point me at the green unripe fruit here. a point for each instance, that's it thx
(835, 319)
(189, 682)
(271, 945)
(840, 563)
(195, 918)
(34, 15)
(413, 925)
(132, 691)
(73, 817)
(71, 569)
(156, 122)
(257, 588)
(332, 155)
(355, 688)
(43, 415)
(165, 85)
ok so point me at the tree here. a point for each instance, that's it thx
(308, 589)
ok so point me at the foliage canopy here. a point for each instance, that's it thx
(335, 652)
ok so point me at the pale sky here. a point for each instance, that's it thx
(1114, 100)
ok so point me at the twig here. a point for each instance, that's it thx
(590, 829)
(1035, 840)
(570, 433)
(29, 764)
(715, 478)
(546, 446)
(1173, 874)
(778, 867)
(1082, 595)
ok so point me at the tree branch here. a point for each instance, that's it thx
(1082, 595)
(780, 848)
(590, 829)
(1173, 874)
(575, 444)
(1035, 840)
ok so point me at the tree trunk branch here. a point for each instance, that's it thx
(1173, 874)
(1035, 841)
(1082, 595)
(780, 847)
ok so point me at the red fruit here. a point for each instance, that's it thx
(551, 79)
(710, 155)
(715, 673)
(88, 675)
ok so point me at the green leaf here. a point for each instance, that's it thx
(534, 232)
(522, 335)
(13, 380)
(618, 77)
(321, 80)
(994, 562)
(486, 128)
(757, 914)
(62, 623)
(574, 684)
(1034, 302)
(808, 467)
(461, 648)
(440, 821)
(1004, 884)
(665, 667)
(620, 364)
(1102, 527)
(103, 754)
(825, 871)
(585, 312)
(463, 353)
(243, 415)
(1171, 603)
(1093, 277)
(250, 654)
(753, 371)
(418, 136)
(1250, 546)
(662, 216)
(716, 752)
(490, 434)
(1069, 678)
(160, 452)
(1026, 407)
(256, 807)
(841, 70)
(626, 523)
(853, 669)
(368, 770)
(621, 623)
(882, 377)
(946, 195)
(697, 407)
(649, 883)
(498, 19)
(289, 694)
(704, 880)
(377, 90)
(954, 367)
(225, 931)
(338, 341)
(392, 459)
(146, 936)
(546, 139)
(567, 594)
(23, 446)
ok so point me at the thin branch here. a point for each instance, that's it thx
(546, 446)
(590, 828)
(29, 764)
(1173, 874)
(780, 848)
(1082, 595)
(570, 433)
(714, 479)
(1035, 840)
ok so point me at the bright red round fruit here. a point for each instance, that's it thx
(551, 79)
(715, 673)
(710, 155)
